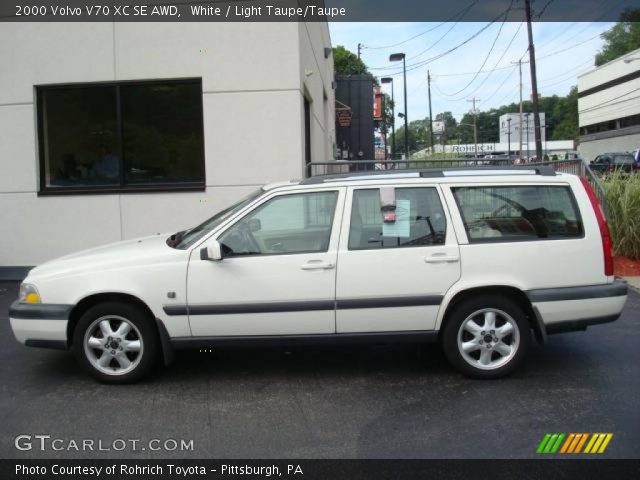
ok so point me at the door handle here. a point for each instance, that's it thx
(442, 258)
(317, 265)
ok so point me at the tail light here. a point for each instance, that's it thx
(611, 168)
(602, 225)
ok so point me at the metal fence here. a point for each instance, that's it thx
(574, 166)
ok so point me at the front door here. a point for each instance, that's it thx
(393, 274)
(277, 274)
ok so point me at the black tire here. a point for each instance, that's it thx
(142, 326)
(460, 314)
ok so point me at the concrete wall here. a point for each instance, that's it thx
(253, 76)
(589, 149)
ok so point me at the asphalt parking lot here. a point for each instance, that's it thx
(400, 401)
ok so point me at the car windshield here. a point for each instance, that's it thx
(186, 238)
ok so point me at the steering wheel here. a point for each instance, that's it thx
(251, 241)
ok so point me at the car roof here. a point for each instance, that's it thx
(515, 174)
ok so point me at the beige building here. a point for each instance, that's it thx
(609, 107)
(110, 131)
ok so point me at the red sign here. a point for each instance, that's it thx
(377, 103)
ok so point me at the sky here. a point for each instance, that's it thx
(563, 51)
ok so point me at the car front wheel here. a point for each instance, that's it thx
(115, 342)
(486, 337)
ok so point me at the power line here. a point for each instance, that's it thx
(412, 57)
(570, 70)
(503, 82)
(461, 13)
(569, 47)
(572, 77)
(549, 2)
(489, 72)
(447, 52)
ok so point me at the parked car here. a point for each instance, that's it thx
(481, 260)
(611, 162)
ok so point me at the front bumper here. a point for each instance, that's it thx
(40, 325)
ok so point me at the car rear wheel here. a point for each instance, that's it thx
(486, 337)
(115, 342)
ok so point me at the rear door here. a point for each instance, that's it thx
(392, 275)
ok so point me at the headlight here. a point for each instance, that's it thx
(29, 294)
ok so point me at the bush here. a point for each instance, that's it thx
(623, 213)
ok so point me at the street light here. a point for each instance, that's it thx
(393, 116)
(396, 57)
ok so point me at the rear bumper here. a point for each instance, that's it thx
(40, 325)
(576, 308)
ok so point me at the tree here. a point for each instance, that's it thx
(418, 137)
(565, 116)
(387, 116)
(622, 38)
(346, 62)
(450, 124)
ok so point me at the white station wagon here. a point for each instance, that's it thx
(480, 260)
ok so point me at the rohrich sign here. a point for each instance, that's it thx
(551, 146)
(471, 148)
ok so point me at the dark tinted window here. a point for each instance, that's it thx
(420, 220)
(121, 136)
(518, 213)
(80, 134)
(623, 159)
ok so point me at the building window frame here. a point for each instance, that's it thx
(122, 186)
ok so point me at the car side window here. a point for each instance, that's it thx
(517, 213)
(420, 220)
(296, 223)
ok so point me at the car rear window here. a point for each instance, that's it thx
(623, 159)
(518, 213)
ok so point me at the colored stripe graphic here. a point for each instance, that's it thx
(556, 445)
(592, 441)
(543, 443)
(550, 443)
(573, 443)
(598, 443)
(607, 439)
(567, 443)
(583, 439)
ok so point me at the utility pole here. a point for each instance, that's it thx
(433, 147)
(474, 112)
(509, 136)
(534, 83)
(359, 47)
(519, 62)
(528, 136)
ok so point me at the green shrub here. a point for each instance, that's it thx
(623, 213)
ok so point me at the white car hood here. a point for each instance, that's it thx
(128, 253)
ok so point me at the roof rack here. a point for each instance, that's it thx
(433, 172)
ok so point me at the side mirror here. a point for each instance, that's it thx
(212, 252)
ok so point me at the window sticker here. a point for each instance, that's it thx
(401, 227)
